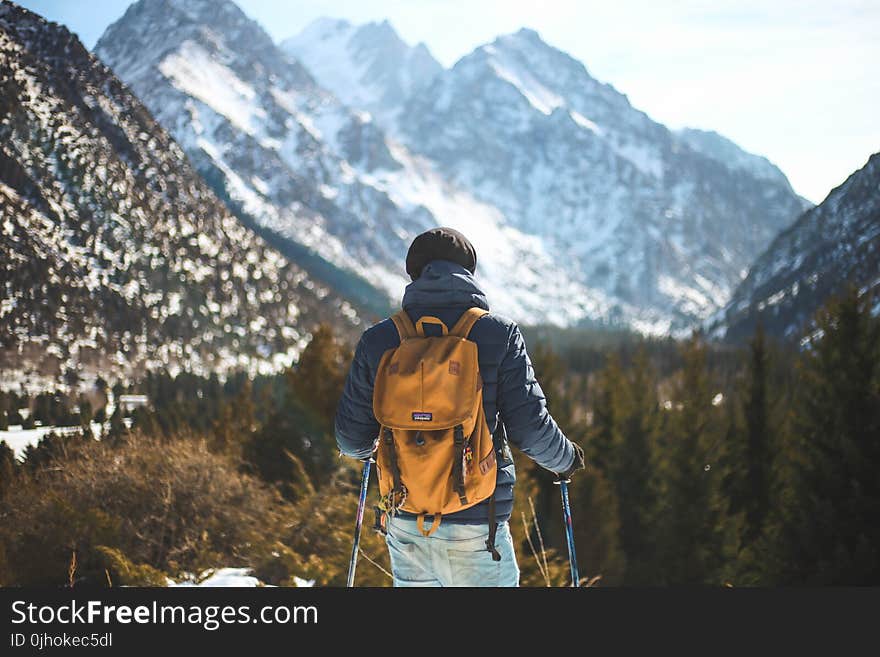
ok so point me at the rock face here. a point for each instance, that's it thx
(114, 254)
(835, 244)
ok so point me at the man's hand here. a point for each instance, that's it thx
(577, 464)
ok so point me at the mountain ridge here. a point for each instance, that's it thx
(117, 257)
(588, 210)
(313, 171)
(832, 245)
(651, 221)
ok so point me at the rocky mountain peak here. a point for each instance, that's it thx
(368, 67)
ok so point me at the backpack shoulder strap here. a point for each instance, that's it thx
(405, 328)
(464, 325)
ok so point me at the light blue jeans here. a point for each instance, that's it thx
(454, 555)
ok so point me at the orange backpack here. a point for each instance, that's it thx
(435, 452)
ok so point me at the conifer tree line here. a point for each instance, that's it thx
(752, 466)
(707, 464)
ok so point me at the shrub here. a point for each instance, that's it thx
(171, 505)
(317, 538)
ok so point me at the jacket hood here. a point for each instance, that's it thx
(444, 284)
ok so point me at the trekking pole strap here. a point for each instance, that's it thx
(458, 464)
(493, 530)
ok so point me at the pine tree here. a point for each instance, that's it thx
(85, 417)
(751, 445)
(26, 404)
(297, 435)
(224, 429)
(8, 468)
(607, 412)
(759, 447)
(319, 376)
(633, 473)
(593, 501)
(558, 384)
(5, 408)
(831, 526)
(691, 533)
(144, 419)
(595, 514)
(117, 427)
(235, 422)
(284, 446)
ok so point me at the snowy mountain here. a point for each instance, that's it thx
(724, 151)
(660, 226)
(324, 180)
(664, 222)
(581, 207)
(831, 245)
(114, 254)
(366, 66)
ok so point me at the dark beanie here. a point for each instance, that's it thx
(440, 244)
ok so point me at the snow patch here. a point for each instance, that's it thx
(584, 122)
(192, 70)
(540, 97)
(20, 439)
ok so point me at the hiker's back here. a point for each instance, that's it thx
(436, 454)
(498, 396)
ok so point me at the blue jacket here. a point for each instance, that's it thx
(515, 407)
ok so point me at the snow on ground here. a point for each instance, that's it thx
(240, 577)
(19, 439)
(237, 577)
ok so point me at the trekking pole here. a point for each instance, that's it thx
(569, 530)
(362, 500)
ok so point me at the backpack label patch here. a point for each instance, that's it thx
(422, 416)
(454, 367)
(487, 463)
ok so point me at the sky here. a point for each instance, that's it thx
(797, 81)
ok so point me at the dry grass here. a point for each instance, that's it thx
(553, 570)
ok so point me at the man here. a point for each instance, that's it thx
(441, 263)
